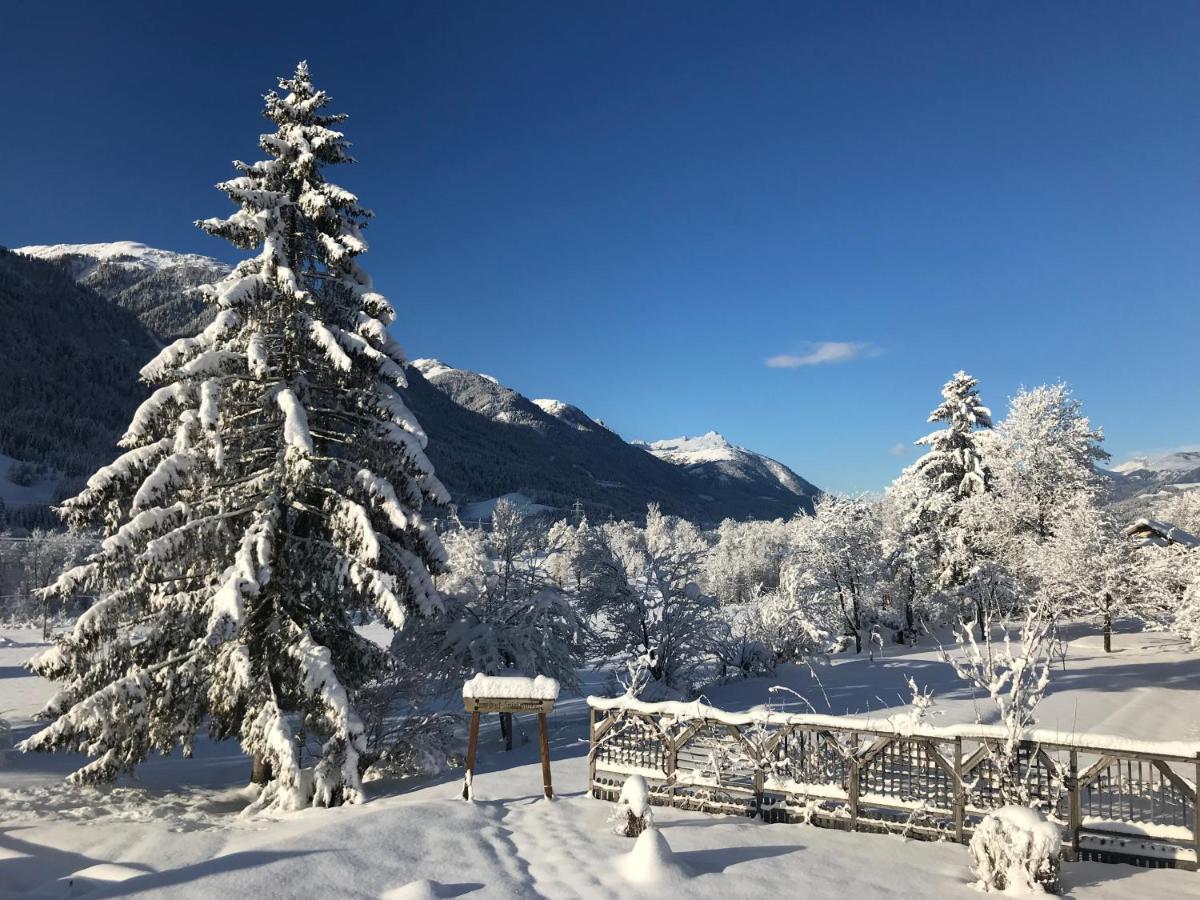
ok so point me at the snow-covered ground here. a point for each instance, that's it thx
(176, 830)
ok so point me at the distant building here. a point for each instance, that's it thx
(1155, 533)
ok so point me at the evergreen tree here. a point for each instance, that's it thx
(951, 473)
(270, 491)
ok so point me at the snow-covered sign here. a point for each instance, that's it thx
(507, 694)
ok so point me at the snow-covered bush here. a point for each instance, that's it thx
(651, 863)
(1016, 849)
(632, 814)
(1015, 675)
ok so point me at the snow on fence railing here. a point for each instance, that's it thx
(1118, 800)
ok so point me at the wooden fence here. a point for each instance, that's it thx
(1117, 800)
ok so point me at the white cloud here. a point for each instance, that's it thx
(823, 352)
(899, 449)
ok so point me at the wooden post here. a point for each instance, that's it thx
(591, 785)
(853, 777)
(960, 794)
(1074, 804)
(1196, 815)
(549, 791)
(468, 788)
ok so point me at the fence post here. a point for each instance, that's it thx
(759, 785)
(672, 764)
(591, 751)
(960, 795)
(1196, 815)
(853, 778)
(1074, 804)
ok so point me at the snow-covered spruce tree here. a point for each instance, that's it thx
(271, 489)
(954, 471)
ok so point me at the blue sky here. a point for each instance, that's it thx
(636, 207)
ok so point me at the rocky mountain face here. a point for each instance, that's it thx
(155, 285)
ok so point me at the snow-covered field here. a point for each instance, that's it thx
(176, 830)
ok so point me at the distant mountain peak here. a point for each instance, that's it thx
(1148, 474)
(711, 454)
(556, 454)
(155, 285)
(124, 253)
(709, 446)
(566, 412)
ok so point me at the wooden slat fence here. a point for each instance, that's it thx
(1117, 801)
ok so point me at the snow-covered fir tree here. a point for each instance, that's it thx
(950, 474)
(271, 489)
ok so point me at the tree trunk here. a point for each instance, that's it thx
(260, 770)
(979, 623)
(1108, 623)
(857, 641)
(506, 729)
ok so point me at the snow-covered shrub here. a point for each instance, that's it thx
(651, 863)
(632, 815)
(426, 744)
(1015, 675)
(1015, 849)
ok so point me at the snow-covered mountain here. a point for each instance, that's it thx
(494, 440)
(711, 457)
(486, 440)
(69, 362)
(1150, 474)
(153, 284)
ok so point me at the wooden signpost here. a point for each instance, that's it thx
(508, 694)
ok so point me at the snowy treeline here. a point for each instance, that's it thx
(30, 562)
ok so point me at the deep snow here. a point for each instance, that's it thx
(176, 830)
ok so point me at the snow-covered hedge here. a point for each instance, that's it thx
(1015, 849)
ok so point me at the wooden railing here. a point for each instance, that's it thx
(1117, 800)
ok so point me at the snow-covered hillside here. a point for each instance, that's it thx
(557, 454)
(711, 455)
(1148, 474)
(84, 259)
(153, 284)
